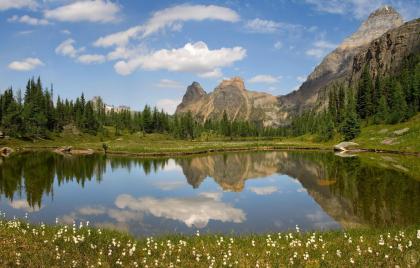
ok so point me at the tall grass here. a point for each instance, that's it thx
(79, 245)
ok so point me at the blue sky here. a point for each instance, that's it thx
(147, 52)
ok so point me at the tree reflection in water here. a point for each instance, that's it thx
(370, 190)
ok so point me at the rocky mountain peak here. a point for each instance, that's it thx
(235, 82)
(193, 93)
(339, 62)
(383, 11)
(382, 40)
(381, 20)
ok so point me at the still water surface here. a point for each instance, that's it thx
(223, 193)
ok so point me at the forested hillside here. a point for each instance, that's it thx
(384, 99)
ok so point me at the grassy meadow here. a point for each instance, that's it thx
(402, 137)
(79, 245)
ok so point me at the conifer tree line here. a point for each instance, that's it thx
(378, 100)
(36, 115)
(185, 126)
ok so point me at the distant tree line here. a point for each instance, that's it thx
(36, 115)
(383, 100)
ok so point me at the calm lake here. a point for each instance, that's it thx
(223, 193)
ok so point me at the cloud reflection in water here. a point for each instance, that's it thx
(193, 211)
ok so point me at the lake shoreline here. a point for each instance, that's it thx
(180, 152)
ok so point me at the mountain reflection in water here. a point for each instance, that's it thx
(244, 192)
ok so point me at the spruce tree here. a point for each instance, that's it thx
(225, 125)
(377, 93)
(332, 104)
(416, 86)
(364, 94)
(351, 125)
(326, 127)
(147, 119)
(382, 113)
(341, 104)
(398, 104)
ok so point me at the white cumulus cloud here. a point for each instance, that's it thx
(193, 57)
(88, 10)
(66, 48)
(91, 58)
(264, 79)
(278, 45)
(301, 78)
(169, 18)
(262, 26)
(320, 48)
(269, 26)
(28, 20)
(168, 105)
(167, 83)
(17, 4)
(25, 64)
(216, 73)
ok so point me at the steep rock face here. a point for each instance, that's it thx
(231, 96)
(194, 93)
(386, 54)
(339, 63)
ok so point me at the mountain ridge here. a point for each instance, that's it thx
(341, 65)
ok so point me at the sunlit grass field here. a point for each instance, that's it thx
(160, 143)
(79, 245)
(399, 137)
(403, 137)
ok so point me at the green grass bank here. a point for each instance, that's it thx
(26, 245)
(404, 137)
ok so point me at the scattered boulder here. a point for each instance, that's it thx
(2, 135)
(389, 141)
(345, 154)
(6, 151)
(70, 150)
(401, 131)
(64, 149)
(82, 152)
(388, 158)
(345, 146)
(401, 167)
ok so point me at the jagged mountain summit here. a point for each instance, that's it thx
(230, 96)
(382, 41)
(339, 62)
